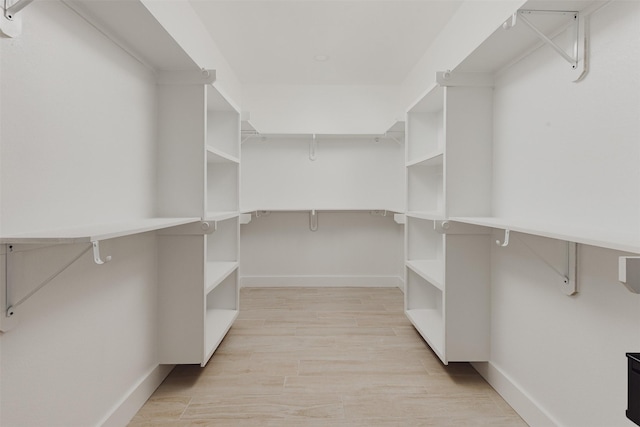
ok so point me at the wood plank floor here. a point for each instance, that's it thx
(324, 357)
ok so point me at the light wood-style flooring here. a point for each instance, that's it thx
(324, 357)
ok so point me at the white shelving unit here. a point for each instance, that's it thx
(200, 167)
(425, 156)
(446, 265)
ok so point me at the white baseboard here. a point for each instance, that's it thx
(527, 407)
(321, 281)
(132, 401)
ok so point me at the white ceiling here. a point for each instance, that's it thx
(367, 41)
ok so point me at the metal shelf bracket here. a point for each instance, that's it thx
(11, 21)
(569, 283)
(629, 272)
(96, 253)
(577, 29)
(313, 145)
(10, 305)
(313, 220)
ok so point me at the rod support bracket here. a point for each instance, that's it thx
(577, 57)
(96, 253)
(569, 285)
(505, 242)
(313, 145)
(629, 273)
(313, 220)
(11, 21)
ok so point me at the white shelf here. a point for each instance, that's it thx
(217, 324)
(430, 270)
(625, 242)
(215, 155)
(431, 216)
(221, 216)
(216, 272)
(432, 159)
(322, 209)
(96, 232)
(429, 324)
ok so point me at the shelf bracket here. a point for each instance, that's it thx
(578, 42)
(569, 284)
(246, 135)
(313, 220)
(313, 145)
(505, 242)
(629, 272)
(441, 227)
(96, 253)
(11, 21)
(10, 308)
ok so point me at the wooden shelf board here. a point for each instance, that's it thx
(215, 155)
(625, 242)
(217, 324)
(96, 232)
(216, 272)
(430, 325)
(430, 270)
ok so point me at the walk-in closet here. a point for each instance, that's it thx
(310, 213)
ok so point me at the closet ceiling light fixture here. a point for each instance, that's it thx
(321, 58)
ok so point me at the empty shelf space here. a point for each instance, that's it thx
(625, 242)
(429, 324)
(215, 155)
(217, 271)
(430, 270)
(218, 323)
(96, 232)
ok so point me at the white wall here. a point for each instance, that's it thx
(322, 109)
(568, 151)
(77, 147)
(573, 147)
(348, 249)
(347, 173)
(78, 126)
